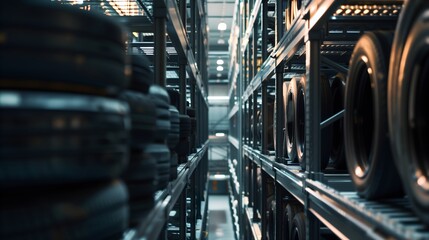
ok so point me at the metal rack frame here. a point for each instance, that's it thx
(329, 200)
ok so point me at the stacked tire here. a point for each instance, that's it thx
(174, 136)
(63, 133)
(183, 147)
(158, 149)
(141, 174)
(192, 138)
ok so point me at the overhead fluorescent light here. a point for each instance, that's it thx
(220, 134)
(218, 98)
(220, 62)
(219, 68)
(221, 26)
(220, 41)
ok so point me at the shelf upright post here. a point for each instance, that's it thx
(256, 197)
(279, 112)
(255, 46)
(255, 119)
(160, 56)
(182, 9)
(239, 115)
(264, 30)
(279, 20)
(312, 122)
(193, 203)
(182, 214)
(264, 208)
(264, 113)
(182, 84)
(278, 214)
(192, 37)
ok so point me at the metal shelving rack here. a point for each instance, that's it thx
(319, 40)
(172, 35)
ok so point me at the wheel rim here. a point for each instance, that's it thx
(363, 119)
(418, 125)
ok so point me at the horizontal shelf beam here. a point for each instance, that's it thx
(151, 226)
(233, 141)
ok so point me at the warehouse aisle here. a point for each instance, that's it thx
(220, 222)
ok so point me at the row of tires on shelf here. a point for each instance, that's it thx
(293, 219)
(382, 138)
(86, 138)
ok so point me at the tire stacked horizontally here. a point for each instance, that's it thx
(63, 143)
(174, 136)
(159, 149)
(192, 138)
(182, 149)
(141, 174)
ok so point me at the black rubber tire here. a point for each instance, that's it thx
(174, 97)
(143, 117)
(300, 122)
(298, 227)
(182, 148)
(288, 214)
(368, 152)
(285, 91)
(325, 112)
(159, 92)
(97, 211)
(174, 135)
(54, 17)
(407, 102)
(42, 41)
(77, 138)
(270, 221)
(293, 7)
(161, 99)
(142, 75)
(61, 72)
(290, 120)
(337, 154)
(270, 123)
(140, 167)
(162, 154)
(173, 166)
(64, 49)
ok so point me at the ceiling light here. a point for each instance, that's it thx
(220, 41)
(221, 26)
(219, 62)
(217, 97)
(219, 75)
(219, 68)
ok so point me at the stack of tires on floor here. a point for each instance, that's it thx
(386, 111)
(63, 132)
(73, 124)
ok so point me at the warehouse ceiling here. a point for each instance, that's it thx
(219, 11)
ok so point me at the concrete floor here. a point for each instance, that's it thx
(220, 221)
